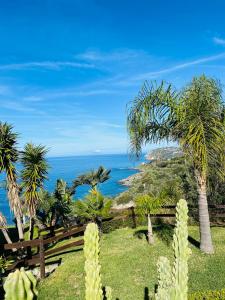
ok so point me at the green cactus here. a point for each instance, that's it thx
(174, 285)
(108, 293)
(20, 285)
(93, 283)
(164, 279)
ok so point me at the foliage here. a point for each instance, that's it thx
(93, 207)
(208, 295)
(20, 285)
(33, 174)
(54, 208)
(8, 158)
(4, 264)
(173, 284)
(93, 178)
(147, 204)
(161, 113)
(169, 179)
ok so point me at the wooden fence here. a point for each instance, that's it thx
(42, 244)
(51, 235)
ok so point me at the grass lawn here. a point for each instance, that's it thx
(129, 267)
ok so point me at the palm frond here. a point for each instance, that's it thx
(152, 115)
(33, 174)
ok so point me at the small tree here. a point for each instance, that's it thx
(54, 208)
(145, 206)
(93, 208)
(33, 175)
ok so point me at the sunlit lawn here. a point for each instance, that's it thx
(129, 267)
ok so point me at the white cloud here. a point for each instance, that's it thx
(16, 106)
(51, 65)
(219, 41)
(117, 55)
(155, 74)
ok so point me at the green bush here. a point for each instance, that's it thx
(208, 295)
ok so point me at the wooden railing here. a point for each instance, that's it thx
(50, 235)
(43, 251)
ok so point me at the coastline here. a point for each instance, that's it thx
(130, 179)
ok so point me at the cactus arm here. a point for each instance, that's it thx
(33, 282)
(27, 285)
(108, 293)
(20, 288)
(164, 279)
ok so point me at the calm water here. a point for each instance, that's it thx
(68, 168)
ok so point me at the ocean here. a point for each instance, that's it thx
(68, 168)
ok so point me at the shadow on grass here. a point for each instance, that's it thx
(165, 233)
(162, 231)
(194, 242)
(65, 252)
(146, 293)
(141, 233)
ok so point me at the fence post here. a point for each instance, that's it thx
(42, 257)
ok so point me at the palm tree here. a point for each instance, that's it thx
(8, 158)
(145, 206)
(93, 178)
(63, 198)
(33, 175)
(194, 118)
(94, 207)
(54, 208)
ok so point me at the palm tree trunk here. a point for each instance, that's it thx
(31, 229)
(15, 204)
(150, 233)
(6, 235)
(20, 228)
(204, 222)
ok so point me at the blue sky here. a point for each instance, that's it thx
(68, 68)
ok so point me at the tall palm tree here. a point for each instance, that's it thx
(193, 117)
(93, 178)
(8, 158)
(33, 174)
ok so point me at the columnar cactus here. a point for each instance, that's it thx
(93, 283)
(20, 285)
(181, 252)
(173, 285)
(164, 279)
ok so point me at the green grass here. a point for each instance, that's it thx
(129, 267)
